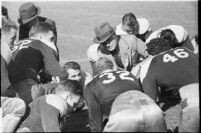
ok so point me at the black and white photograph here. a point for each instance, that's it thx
(99, 66)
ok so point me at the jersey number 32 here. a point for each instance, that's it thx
(123, 75)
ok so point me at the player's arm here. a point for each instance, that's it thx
(150, 87)
(92, 54)
(141, 48)
(52, 66)
(95, 117)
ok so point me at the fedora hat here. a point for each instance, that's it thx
(28, 11)
(103, 32)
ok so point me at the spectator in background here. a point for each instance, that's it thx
(4, 13)
(32, 55)
(29, 16)
(123, 50)
(46, 112)
(13, 108)
(140, 27)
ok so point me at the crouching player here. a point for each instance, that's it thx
(46, 112)
(134, 111)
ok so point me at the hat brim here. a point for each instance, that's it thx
(24, 21)
(95, 40)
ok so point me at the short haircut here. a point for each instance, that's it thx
(102, 64)
(71, 86)
(71, 65)
(129, 19)
(41, 27)
(169, 35)
(158, 45)
(7, 26)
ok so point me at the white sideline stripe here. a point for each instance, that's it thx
(75, 36)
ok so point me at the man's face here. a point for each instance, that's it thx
(74, 74)
(131, 27)
(111, 43)
(74, 99)
(10, 38)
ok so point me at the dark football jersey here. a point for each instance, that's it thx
(170, 71)
(102, 91)
(31, 56)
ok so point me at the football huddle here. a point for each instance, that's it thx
(142, 80)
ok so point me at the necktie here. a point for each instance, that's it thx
(117, 59)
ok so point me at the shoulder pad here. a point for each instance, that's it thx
(92, 52)
(119, 30)
(179, 31)
(144, 25)
(57, 103)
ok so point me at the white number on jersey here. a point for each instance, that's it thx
(179, 53)
(22, 45)
(111, 77)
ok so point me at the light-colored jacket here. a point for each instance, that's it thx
(129, 46)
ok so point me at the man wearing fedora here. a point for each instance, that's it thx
(123, 50)
(29, 16)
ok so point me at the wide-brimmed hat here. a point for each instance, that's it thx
(103, 32)
(28, 11)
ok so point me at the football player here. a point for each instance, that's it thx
(167, 72)
(32, 55)
(176, 33)
(46, 112)
(134, 111)
(140, 27)
(100, 93)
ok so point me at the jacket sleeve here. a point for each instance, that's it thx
(141, 47)
(95, 117)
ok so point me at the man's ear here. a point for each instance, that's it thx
(71, 96)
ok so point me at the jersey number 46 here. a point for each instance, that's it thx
(179, 53)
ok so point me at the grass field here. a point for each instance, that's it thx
(75, 21)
